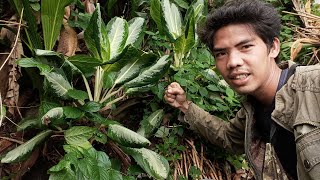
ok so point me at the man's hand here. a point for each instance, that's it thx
(176, 97)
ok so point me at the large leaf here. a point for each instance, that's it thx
(156, 14)
(31, 62)
(151, 123)
(152, 74)
(154, 164)
(133, 68)
(25, 149)
(85, 64)
(126, 137)
(58, 82)
(79, 135)
(52, 12)
(135, 30)
(96, 37)
(172, 18)
(118, 34)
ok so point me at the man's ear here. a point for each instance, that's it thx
(275, 49)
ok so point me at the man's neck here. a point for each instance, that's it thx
(265, 95)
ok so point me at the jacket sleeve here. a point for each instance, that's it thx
(228, 135)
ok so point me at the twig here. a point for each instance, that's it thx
(15, 42)
(1, 115)
(12, 140)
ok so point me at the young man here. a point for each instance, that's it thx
(278, 125)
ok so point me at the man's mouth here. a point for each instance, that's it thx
(240, 76)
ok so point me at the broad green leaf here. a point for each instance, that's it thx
(25, 149)
(118, 34)
(85, 64)
(126, 137)
(133, 68)
(79, 135)
(173, 18)
(198, 7)
(152, 74)
(58, 82)
(140, 89)
(77, 94)
(135, 30)
(53, 115)
(31, 62)
(91, 106)
(96, 38)
(52, 12)
(156, 14)
(147, 126)
(154, 164)
(72, 112)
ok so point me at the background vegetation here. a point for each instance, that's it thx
(82, 85)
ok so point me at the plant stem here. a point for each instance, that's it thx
(108, 105)
(87, 87)
(111, 94)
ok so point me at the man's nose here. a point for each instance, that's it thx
(234, 60)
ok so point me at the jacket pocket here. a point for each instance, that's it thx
(308, 151)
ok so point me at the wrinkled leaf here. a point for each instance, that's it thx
(126, 137)
(52, 12)
(152, 74)
(25, 149)
(147, 126)
(79, 135)
(154, 164)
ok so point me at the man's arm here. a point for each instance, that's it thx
(229, 135)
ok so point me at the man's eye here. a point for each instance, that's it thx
(220, 54)
(247, 46)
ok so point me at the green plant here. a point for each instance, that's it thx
(117, 66)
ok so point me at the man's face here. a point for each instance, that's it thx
(243, 58)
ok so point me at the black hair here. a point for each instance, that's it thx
(262, 17)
